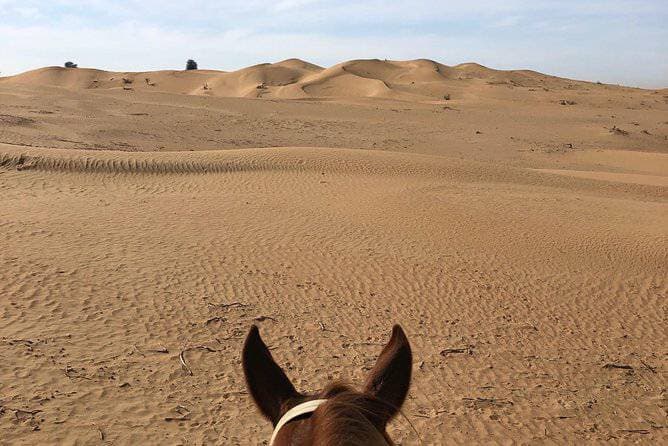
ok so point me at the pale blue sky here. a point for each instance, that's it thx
(617, 41)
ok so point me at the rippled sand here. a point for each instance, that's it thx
(550, 288)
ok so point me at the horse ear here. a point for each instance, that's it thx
(390, 378)
(266, 381)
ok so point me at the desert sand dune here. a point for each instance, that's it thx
(520, 241)
(296, 79)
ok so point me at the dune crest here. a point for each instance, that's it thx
(419, 79)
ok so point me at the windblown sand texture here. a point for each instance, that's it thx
(517, 230)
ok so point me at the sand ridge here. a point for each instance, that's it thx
(322, 160)
(296, 79)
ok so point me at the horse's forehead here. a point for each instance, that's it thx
(319, 428)
(296, 433)
(295, 424)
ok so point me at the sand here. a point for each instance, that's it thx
(140, 222)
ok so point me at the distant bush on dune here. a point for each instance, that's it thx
(191, 65)
(70, 65)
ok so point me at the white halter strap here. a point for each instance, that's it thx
(298, 410)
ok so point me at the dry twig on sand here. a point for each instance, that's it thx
(648, 367)
(480, 402)
(457, 350)
(21, 414)
(323, 328)
(214, 319)
(182, 356)
(618, 131)
(184, 413)
(183, 363)
(185, 418)
(158, 350)
(229, 305)
(613, 365)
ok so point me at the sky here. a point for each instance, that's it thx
(612, 41)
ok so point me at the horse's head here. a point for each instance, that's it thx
(337, 415)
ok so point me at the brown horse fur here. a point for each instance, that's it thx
(349, 417)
